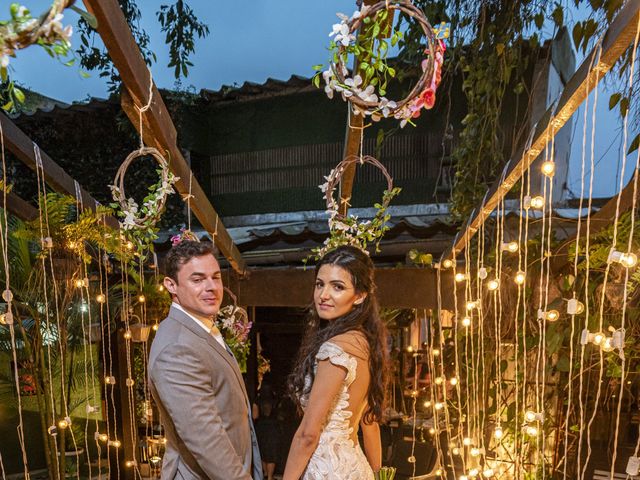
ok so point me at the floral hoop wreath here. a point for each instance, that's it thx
(346, 229)
(233, 314)
(147, 216)
(365, 101)
(235, 326)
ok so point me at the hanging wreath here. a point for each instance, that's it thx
(143, 218)
(233, 322)
(367, 89)
(346, 229)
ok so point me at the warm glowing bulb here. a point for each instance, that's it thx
(466, 441)
(448, 263)
(439, 380)
(510, 247)
(432, 431)
(129, 245)
(141, 298)
(530, 416)
(472, 305)
(79, 283)
(155, 327)
(548, 168)
(130, 382)
(410, 349)
(520, 277)
(474, 452)
(575, 307)
(456, 451)
(103, 437)
(63, 424)
(110, 380)
(625, 259)
(537, 202)
(438, 472)
(473, 472)
(488, 472)
(436, 352)
(115, 443)
(498, 433)
(493, 285)
(607, 345)
(532, 431)
(466, 322)
(463, 477)
(598, 338)
(161, 288)
(101, 298)
(460, 277)
(427, 404)
(130, 463)
(552, 315)
(439, 406)
(453, 381)
(127, 334)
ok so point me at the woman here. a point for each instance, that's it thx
(340, 376)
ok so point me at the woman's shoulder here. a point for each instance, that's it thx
(353, 342)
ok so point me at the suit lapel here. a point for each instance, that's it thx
(197, 330)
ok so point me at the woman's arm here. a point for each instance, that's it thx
(326, 386)
(372, 444)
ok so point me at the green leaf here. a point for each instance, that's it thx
(318, 67)
(7, 106)
(577, 34)
(635, 143)
(316, 80)
(84, 74)
(539, 20)
(391, 72)
(624, 106)
(558, 16)
(19, 95)
(90, 19)
(614, 99)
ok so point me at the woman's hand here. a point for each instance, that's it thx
(372, 444)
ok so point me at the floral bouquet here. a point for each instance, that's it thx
(233, 322)
(386, 473)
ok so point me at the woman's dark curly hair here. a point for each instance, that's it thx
(363, 318)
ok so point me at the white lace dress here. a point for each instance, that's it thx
(336, 456)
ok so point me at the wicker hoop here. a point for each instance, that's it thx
(120, 196)
(411, 10)
(234, 311)
(336, 174)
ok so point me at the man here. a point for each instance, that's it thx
(195, 379)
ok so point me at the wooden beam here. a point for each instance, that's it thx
(397, 287)
(26, 150)
(617, 39)
(19, 207)
(157, 127)
(600, 220)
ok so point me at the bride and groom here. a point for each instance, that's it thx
(338, 380)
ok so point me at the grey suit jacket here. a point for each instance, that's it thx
(203, 404)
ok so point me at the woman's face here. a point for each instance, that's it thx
(334, 294)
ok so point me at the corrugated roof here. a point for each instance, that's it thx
(252, 90)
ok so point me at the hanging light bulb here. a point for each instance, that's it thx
(455, 451)
(438, 406)
(439, 380)
(129, 245)
(448, 263)
(511, 247)
(101, 298)
(129, 382)
(471, 305)
(466, 322)
(155, 327)
(453, 381)
(115, 443)
(487, 473)
(575, 307)
(607, 345)
(493, 284)
(460, 277)
(160, 287)
(64, 423)
(532, 431)
(530, 416)
(127, 334)
(463, 477)
(625, 259)
(475, 452)
(130, 463)
(432, 431)
(466, 441)
(598, 338)
(498, 433)
(439, 472)
(110, 380)
(410, 348)
(435, 351)
(427, 404)
(482, 273)
(79, 283)
(548, 168)
(549, 315)
(536, 202)
(141, 298)
(102, 437)
(473, 472)
(520, 277)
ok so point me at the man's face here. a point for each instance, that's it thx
(198, 288)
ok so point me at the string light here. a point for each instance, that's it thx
(466, 441)
(432, 431)
(455, 451)
(463, 477)
(473, 472)
(466, 322)
(52, 430)
(439, 380)
(472, 305)
(155, 327)
(530, 416)
(460, 277)
(439, 472)
(549, 315)
(487, 473)
(588, 337)
(127, 334)
(436, 352)
(575, 307)
(520, 277)
(453, 381)
(493, 284)
(511, 247)
(410, 348)
(498, 433)
(482, 273)
(160, 287)
(475, 452)
(47, 242)
(625, 259)
(536, 202)
(110, 380)
(438, 406)
(548, 168)
(101, 298)
(130, 463)
(141, 298)
(129, 245)
(82, 282)
(115, 443)
(64, 423)
(448, 263)
(531, 431)
(130, 382)
(102, 437)
(427, 404)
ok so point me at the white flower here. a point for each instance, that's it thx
(342, 17)
(386, 106)
(22, 11)
(342, 34)
(353, 82)
(330, 88)
(368, 94)
(4, 61)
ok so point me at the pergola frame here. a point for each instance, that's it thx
(620, 34)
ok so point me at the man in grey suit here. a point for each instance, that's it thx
(195, 379)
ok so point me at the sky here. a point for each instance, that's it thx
(252, 40)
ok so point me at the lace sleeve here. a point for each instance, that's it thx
(336, 355)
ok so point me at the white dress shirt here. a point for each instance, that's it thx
(210, 329)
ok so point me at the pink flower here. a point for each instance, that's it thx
(428, 97)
